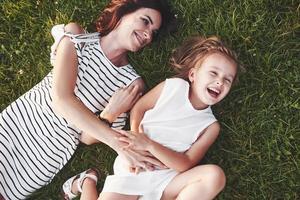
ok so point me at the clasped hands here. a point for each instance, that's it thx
(136, 151)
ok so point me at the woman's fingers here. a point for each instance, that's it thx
(142, 160)
(154, 162)
(125, 140)
(122, 132)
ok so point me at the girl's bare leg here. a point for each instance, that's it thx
(201, 182)
(116, 196)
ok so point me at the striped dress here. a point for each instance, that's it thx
(35, 143)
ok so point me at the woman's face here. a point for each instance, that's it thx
(137, 29)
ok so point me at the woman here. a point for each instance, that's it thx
(41, 130)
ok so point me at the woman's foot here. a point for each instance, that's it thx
(73, 186)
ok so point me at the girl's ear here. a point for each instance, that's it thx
(192, 74)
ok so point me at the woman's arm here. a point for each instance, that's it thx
(65, 102)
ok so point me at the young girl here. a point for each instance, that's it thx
(174, 123)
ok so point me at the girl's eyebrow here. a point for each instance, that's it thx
(149, 18)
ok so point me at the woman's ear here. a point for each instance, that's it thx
(192, 74)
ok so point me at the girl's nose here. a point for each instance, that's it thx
(220, 82)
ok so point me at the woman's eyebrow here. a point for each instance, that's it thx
(149, 18)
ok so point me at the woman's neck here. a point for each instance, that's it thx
(113, 51)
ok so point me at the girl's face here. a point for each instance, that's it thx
(137, 29)
(212, 80)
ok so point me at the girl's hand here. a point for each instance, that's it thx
(136, 141)
(121, 101)
(140, 161)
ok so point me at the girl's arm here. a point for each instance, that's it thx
(186, 160)
(145, 103)
(172, 159)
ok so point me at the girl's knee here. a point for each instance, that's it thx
(216, 177)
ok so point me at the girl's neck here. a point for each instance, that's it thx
(195, 102)
(113, 50)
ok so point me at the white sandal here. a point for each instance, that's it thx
(67, 186)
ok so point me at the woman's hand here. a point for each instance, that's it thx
(137, 160)
(136, 141)
(121, 101)
(140, 161)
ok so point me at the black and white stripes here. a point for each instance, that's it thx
(35, 143)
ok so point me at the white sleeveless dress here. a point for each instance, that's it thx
(174, 123)
(35, 142)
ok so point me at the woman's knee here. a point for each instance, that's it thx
(74, 28)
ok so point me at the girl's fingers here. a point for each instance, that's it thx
(136, 98)
(128, 88)
(133, 89)
(149, 167)
(132, 169)
(145, 153)
(137, 169)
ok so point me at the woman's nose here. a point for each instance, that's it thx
(147, 34)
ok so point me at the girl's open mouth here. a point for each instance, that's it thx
(213, 92)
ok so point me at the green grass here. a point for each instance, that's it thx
(259, 146)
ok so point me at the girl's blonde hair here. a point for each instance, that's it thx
(194, 50)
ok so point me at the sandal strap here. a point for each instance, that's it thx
(82, 177)
(67, 188)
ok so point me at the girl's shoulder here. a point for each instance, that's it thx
(176, 83)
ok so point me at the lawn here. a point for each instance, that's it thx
(259, 145)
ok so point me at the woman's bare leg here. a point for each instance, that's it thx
(74, 28)
(201, 182)
(89, 190)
